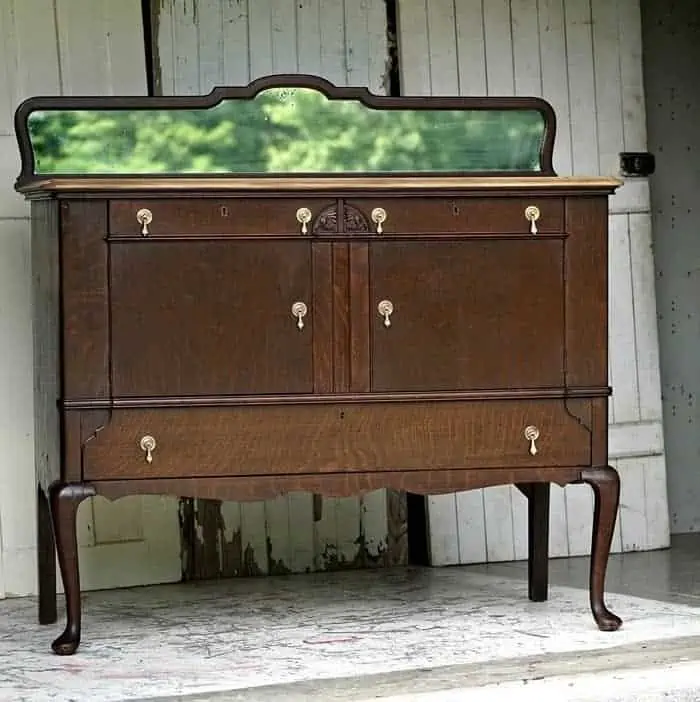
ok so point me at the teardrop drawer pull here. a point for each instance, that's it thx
(379, 217)
(148, 446)
(386, 309)
(304, 217)
(532, 433)
(144, 217)
(299, 310)
(532, 214)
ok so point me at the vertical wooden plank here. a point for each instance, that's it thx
(332, 41)
(308, 35)
(555, 82)
(631, 74)
(254, 537)
(558, 539)
(579, 511)
(341, 320)
(186, 41)
(658, 529)
(284, 36)
(471, 50)
(498, 40)
(633, 502)
(645, 328)
(165, 48)
(260, 31)
(412, 29)
(471, 542)
(442, 47)
(356, 43)
(377, 46)
(301, 532)
(236, 50)
(210, 44)
(526, 48)
(607, 84)
(582, 99)
(623, 348)
(278, 546)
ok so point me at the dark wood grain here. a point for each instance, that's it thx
(359, 319)
(468, 315)
(341, 317)
(222, 323)
(85, 299)
(587, 291)
(335, 438)
(322, 314)
(262, 487)
(464, 215)
(202, 218)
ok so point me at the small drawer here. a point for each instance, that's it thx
(336, 438)
(214, 217)
(466, 215)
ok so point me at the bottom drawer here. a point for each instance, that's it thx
(331, 438)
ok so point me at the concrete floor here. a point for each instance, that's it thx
(409, 635)
(668, 671)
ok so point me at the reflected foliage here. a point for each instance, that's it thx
(285, 131)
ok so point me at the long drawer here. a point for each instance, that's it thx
(332, 438)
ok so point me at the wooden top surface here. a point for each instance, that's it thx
(235, 184)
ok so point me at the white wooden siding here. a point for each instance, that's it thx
(50, 47)
(584, 56)
(231, 44)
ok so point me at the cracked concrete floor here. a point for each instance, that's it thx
(408, 635)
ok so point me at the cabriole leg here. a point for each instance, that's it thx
(606, 491)
(64, 500)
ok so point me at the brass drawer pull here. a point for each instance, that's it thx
(299, 311)
(304, 217)
(386, 309)
(532, 433)
(379, 217)
(532, 214)
(144, 217)
(148, 445)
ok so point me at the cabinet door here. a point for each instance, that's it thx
(470, 314)
(210, 318)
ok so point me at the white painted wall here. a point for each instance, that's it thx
(584, 56)
(68, 47)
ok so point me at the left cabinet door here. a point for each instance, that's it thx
(210, 317)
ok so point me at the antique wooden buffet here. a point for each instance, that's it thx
(314, 289)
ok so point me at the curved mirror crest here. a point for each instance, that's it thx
(285, 131)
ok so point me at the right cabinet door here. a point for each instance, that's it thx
(477, 313)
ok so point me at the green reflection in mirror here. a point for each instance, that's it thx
(285, 131)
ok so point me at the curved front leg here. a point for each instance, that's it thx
(606, 491)
(64, 499)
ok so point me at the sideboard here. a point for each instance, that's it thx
(423, 323)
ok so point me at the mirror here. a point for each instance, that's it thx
(285, 131)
